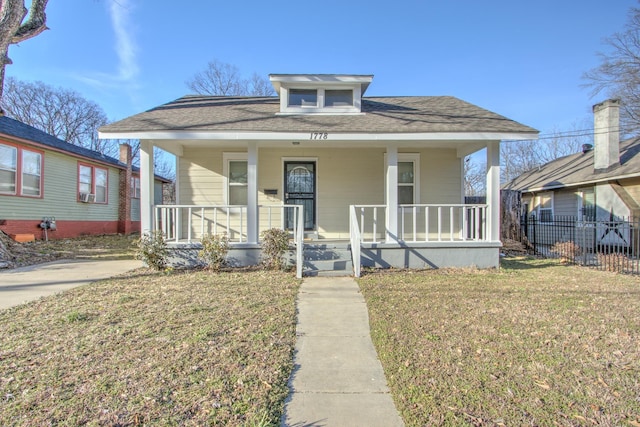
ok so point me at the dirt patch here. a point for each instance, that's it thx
(14, 254)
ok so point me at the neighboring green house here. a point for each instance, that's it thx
(70, 190)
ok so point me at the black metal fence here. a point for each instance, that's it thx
(611, 245)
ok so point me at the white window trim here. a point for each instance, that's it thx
(320, 108)
(226, 158)
(407, 157)
(538, 204)
(581, 192)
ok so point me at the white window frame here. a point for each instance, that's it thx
(538, 204)
(405, 158)
(320, 108)
(581, 192)
(20, 173)
(226, 158)
(135, 187)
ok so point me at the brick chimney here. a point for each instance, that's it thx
(606, 128)
(124, 196)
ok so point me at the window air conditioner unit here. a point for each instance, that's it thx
(87, 198)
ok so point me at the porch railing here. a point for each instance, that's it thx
(186, 223)
(423, 223)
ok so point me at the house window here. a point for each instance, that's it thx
(135, 187)
(236, 178)
(303, 98)
(545, 207)
(92, 184)
(408, 178)
(406, 183)
(338, 98)
(20, 171)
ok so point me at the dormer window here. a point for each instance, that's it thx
(320, 93)
(303, 98)
(338, 98)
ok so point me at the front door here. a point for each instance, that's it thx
(300, 189)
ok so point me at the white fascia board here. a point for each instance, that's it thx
(330, 136)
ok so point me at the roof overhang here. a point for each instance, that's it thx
(319, 80)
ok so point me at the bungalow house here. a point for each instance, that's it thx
(359, 181)
(52, 189)
(597, 188)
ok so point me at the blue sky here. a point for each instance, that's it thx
(521, 59)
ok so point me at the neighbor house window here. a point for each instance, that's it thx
(20, 171)
(545, 207)
(135, 187)
(235, 172)
(303, 98)
(92, 184)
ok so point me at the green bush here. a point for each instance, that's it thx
(215, 248)
(152, 250)
(274, 244)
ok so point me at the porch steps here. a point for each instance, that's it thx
(327, 259)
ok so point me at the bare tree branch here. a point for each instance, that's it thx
(222, 79)
(618, 75)
(14, 28)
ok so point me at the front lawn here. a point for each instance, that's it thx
(147, 348)
(536, 343)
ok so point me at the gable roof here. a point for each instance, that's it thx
(577, 169)
(13, 128)
(16, 129)
(411, 114)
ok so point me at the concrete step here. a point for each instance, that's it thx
(327, 259)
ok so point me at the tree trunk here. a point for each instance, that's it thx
(510, 207)
(14, 30)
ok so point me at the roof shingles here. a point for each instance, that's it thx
(412, 114)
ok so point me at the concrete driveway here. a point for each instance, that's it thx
(25, 284)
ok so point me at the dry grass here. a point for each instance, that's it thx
(536, 343)
(167, 349)
(89, 247)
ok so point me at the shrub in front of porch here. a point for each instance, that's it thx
(152, 250)
(215, 248)
(275, 243)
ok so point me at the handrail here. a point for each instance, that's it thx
(356, 240)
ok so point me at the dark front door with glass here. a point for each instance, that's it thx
(300, 189)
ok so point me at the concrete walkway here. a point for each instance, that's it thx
(337, 379)
(24, 284)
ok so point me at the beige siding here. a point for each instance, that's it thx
(565, 203)
(344, 177)
(59, 200)
(632, 186)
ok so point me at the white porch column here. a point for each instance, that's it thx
(252, 192)
(146, 186)
(493, 191)
(391, 192)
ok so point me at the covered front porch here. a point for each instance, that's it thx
(342, 236)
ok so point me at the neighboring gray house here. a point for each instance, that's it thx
(602, 183)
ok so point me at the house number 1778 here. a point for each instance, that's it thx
(318, 135)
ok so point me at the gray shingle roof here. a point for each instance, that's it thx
(12, 127)
(413, 114)
(578, 169)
